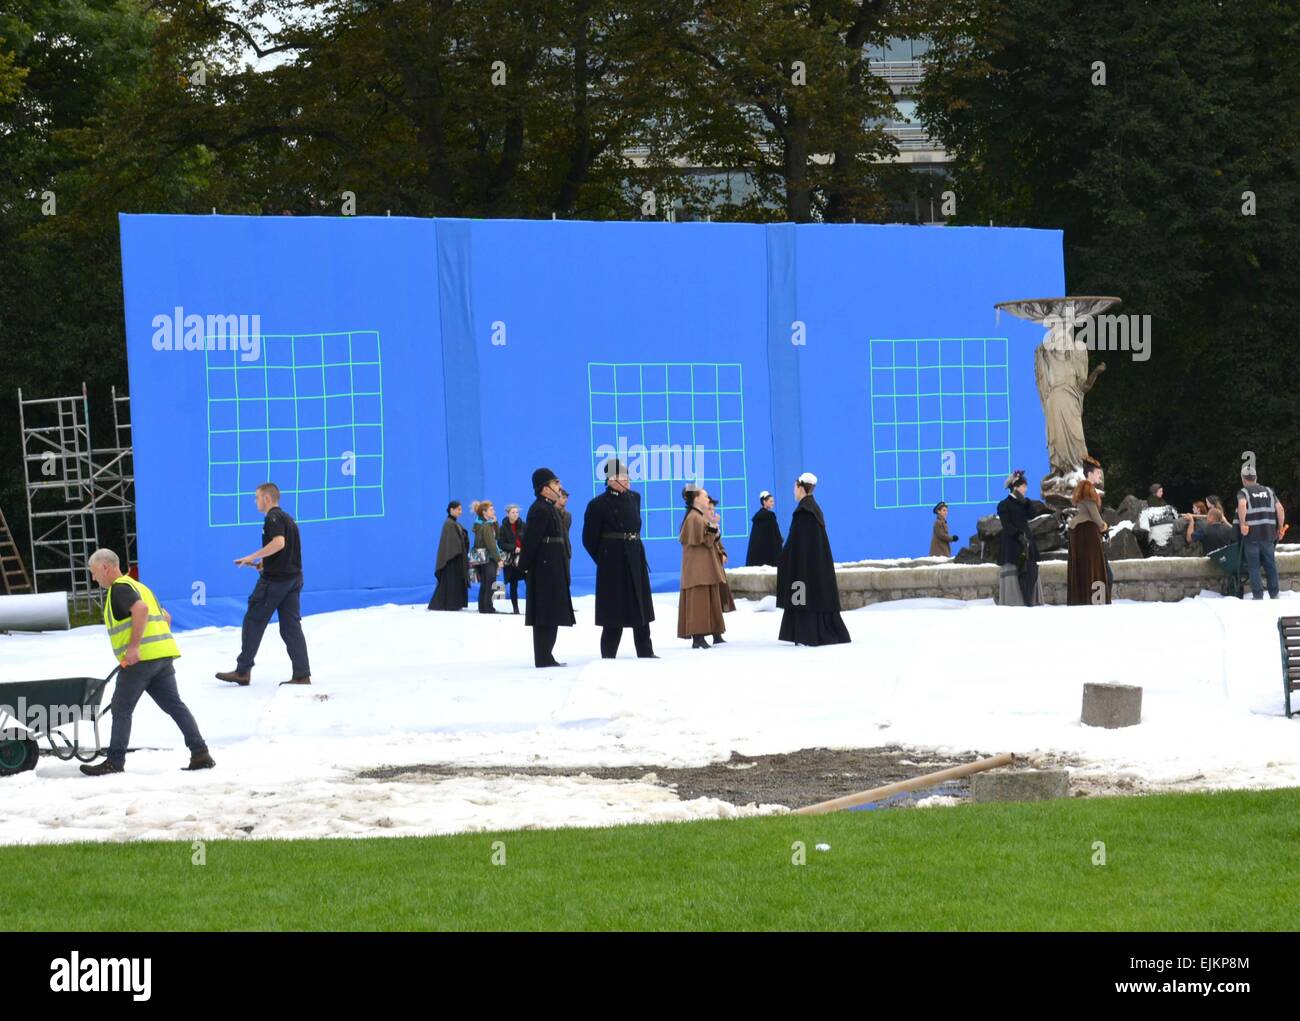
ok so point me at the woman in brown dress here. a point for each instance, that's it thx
(699, 606)
(1087, 576)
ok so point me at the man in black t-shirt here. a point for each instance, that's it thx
(277, 590)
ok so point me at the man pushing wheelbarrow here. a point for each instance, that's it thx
(140, 632)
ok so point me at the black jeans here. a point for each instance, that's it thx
(269, 596)
(487, 574)
(610, 637)
(158, 678)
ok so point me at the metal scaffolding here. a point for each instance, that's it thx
(71, 488)
(115, 478)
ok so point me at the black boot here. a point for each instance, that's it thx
(644, 647)
(700, 643)
(718, 640)
(101, 768)
(201, 760)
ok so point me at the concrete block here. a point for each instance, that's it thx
(1019, 785)
(1111, 705)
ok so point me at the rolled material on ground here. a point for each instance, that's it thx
(915, 784)
(44, 611)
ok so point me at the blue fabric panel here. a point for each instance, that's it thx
(392, 364)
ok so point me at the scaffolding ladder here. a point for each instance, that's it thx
(114, 480)
(59, 476)
(12, 568)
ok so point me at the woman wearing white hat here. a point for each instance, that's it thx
(805, 576)
(764, 535)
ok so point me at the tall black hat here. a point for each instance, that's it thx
(541, 477)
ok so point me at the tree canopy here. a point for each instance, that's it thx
(1158, 134)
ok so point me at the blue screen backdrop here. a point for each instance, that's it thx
(388, 365)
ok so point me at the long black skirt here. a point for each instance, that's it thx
(809, 627)
(452, 591)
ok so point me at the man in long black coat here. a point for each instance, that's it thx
(805, 576)
(545, 562)
(611, 534)
(764, 535)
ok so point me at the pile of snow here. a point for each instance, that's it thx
(398, 685)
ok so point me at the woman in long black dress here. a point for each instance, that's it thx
(452, 567)
(764, 534)
(805, 576)
(1018, 583)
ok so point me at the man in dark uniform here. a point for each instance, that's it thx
(545, 564)
(277, 590)
(1260, 516)
(566, 521)
(611, 534)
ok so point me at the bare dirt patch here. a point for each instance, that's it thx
(793, 779)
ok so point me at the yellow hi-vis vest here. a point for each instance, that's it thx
(156, 642)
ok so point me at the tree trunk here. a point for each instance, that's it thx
(580, 147)
(840, 198)
(798, 193)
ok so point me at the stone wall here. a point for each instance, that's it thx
(1157, 579)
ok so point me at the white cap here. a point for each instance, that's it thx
(808, 478)
(763, 495)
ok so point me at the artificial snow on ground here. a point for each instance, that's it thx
(399, 685)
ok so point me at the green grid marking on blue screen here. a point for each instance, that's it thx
(940, 420)
(674, 422)
(307, 413)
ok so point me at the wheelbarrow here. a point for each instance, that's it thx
(31, 710)
(1232, 563)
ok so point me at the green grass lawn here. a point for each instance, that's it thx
(1192, 861)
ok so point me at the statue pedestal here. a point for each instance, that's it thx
(1058, 490)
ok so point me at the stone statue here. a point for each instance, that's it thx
(1061, 372)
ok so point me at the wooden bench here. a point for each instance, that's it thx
(1288, 633)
